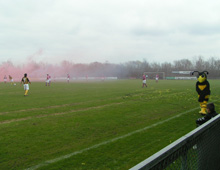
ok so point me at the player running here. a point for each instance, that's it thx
(11, 79)
(26, 83)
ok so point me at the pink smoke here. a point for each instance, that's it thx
(35, 70)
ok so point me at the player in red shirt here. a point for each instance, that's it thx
(144, 81)
(157, 78)
(48, 80)
(68, 78)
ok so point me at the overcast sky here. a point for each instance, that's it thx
(117, 31)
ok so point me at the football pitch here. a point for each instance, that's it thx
(103, 125)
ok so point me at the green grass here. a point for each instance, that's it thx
(65, 118)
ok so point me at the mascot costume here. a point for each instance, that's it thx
(203, 90)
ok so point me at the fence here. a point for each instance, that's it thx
(198, 150)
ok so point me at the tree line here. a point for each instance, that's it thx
(136, 69)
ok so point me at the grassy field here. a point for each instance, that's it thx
(94, 125)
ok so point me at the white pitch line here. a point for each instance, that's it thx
(106, 142)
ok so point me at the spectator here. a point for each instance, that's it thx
(211, 113)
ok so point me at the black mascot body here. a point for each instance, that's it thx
(203, 90)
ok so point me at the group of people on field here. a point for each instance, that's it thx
(202, 88)
(10, 79)
(25, 81)
(144, 78)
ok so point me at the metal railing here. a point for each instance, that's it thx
(197, 150)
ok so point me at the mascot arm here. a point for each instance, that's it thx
(204, 94)
(208, 88)
(206, 91)
(197, 88)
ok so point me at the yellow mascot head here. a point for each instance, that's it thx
(202, 76)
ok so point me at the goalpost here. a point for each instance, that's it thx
(152, 75)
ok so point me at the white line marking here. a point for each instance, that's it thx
(106, 142)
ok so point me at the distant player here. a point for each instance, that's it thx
(11, 79)
(48, 80)
(68, 78)
(157, 78)
(5, 79)
(144, 81)
(26, 83)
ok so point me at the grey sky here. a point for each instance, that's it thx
(83, 31)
